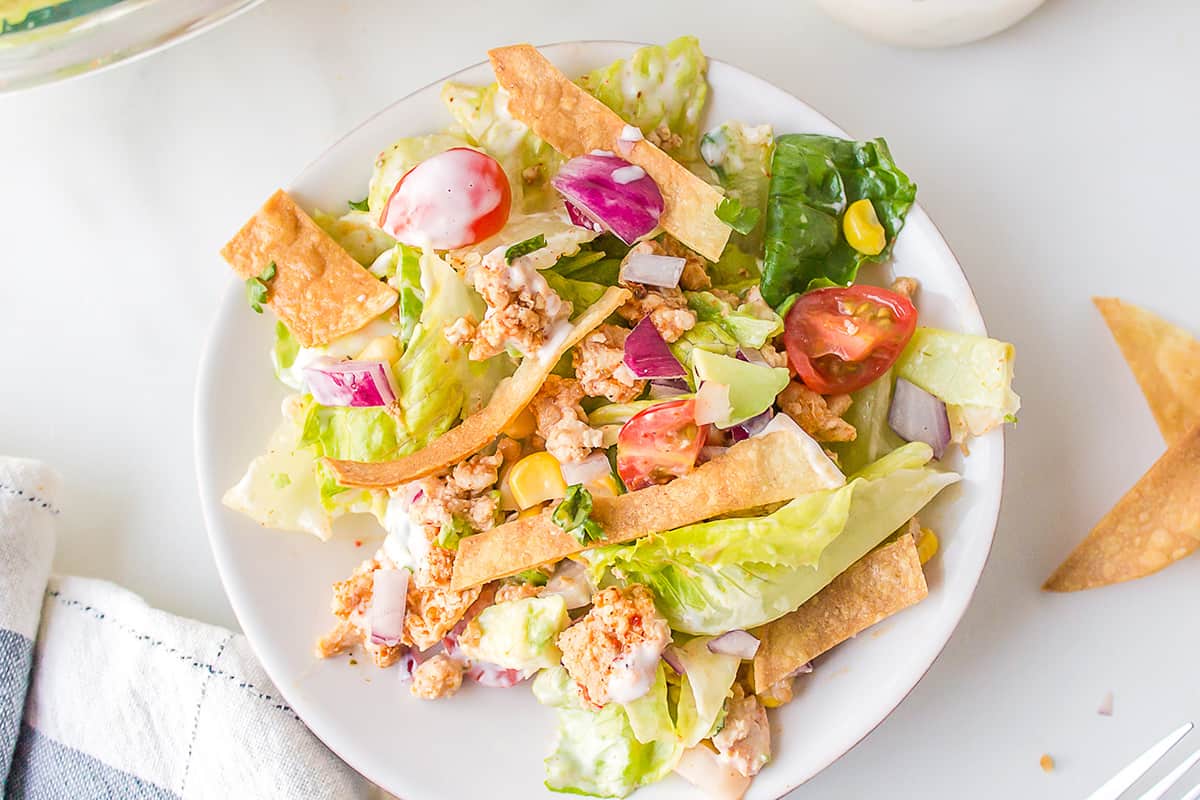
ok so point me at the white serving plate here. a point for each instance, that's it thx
(490, 742)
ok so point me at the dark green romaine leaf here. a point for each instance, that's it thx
(530, 245)
(813, 180)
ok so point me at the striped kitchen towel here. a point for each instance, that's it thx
(102, 696)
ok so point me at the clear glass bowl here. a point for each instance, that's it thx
(43, 41)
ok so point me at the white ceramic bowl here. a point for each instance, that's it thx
(929, 23)
(489, 742)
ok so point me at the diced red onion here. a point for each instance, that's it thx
(629, 210)
(452, 648)
(407, 664)
(652, 270)
(671, 656)
(712, 403)
(389, 599)
(350, 383)
(735, 643)
(751, 356)
(667, 387)
(495, 677)
(570, 582)
(647, 355)
(751, 426)
(918, 416)
(1106, 706)
(592, 468)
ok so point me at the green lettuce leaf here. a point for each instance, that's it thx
(741, 573)
(520, 634)
(357, 233)
(357, 434)
(581, 294)
(401, 268)
(481, 113)
(657, 85)
(752, 387)
(398, 159)
(961, 369)
(869, 416)
(735, 271)
(595, 752)
(284, 352)
(740, 157)
(620, 413)
(706, 683)
(707, 336)
(752, 324)
(814, 179)
(650, 715)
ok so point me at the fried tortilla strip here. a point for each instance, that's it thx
(1164, 358)
(319, 291)
(573, 123)
(481, 428)
(881, 583)
(1155, 524)
(756, 472)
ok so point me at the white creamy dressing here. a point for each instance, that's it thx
(608, 153)
(631, 133)
(625, 175)
(451, 200)
(396, 546)
(557, 334)
(633, 674)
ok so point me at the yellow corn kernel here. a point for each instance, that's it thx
(535, 479)
(383, 348)
(604, 487)
(862, 228)
(927, 545)
(532, 511)
(521, 427)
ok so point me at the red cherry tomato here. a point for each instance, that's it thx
(839, 340)
(659, 444)
(453, 199)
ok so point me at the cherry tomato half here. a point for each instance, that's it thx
(659, 444)
(453, 199)
(839, 340)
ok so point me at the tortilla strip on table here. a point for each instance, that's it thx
(1154, 525)
(882, 583)
(319, 291)
(573, 123)
(1164, 358)
(754, 472)
(481, 428)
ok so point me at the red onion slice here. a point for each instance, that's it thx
(712, 403)
(671, 656)
(734, 643)
(752, 356)
(350, 383)
(580, 219)
(667, 387)
(389, 600)
(647, 355)
(407, 664)
(918, 416)
(751, 426)
(630, 210)
(652, 270)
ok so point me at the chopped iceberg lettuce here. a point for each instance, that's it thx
(399, 158)
(869, 416)
(596, 752)
(650, 714)
(736, 271)
(707, 336)
(751, 323)
(656, 86)
(481, 113)
(520, 634)
(971, 374)
(744, 572)
(580, 294)
(401, 267)
(563, 238)
(740, 157)
(357, 434)
(357, 233)
(706, 683)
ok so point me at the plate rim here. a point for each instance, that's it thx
(206, 372)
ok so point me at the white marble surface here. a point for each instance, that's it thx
(1057, 158)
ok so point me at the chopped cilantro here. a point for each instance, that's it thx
(573, 515)
(359, 205)
(256, 287)
(524, 248)
(742, 220)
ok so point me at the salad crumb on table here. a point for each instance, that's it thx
(638, 438)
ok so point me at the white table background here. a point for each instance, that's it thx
(1058, 158)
